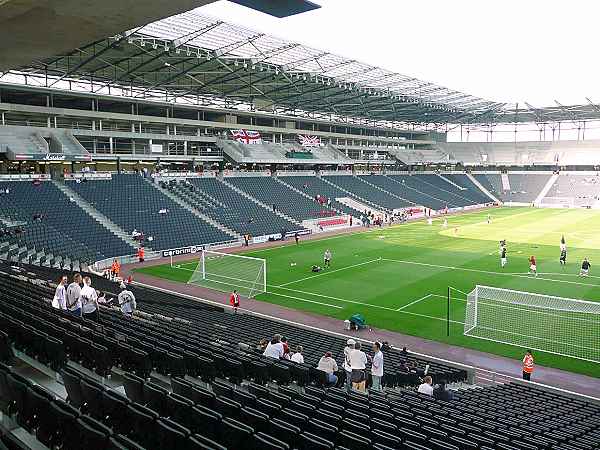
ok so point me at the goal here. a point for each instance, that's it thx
(562, 326)
(226, 272)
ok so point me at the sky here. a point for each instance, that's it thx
(508, 51)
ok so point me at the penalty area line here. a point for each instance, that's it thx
(330, 271)
(414, 301)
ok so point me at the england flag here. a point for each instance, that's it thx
(246, 137)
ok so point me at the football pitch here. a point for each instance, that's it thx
(398, 277)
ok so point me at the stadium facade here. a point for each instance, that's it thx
(176, 91)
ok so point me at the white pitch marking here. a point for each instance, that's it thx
(330, 271)
(490, 272)
(414, 301)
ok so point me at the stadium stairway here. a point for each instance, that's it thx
(98, 216)
(450, 192)
(316, 185)
(466, 187)
(132, 203)
(546, 188)
(484, 189)
(345, 183)
(336, 207)
(412, 189)
(258, 202)
(430, 196)
(404, 202)
(177, 199)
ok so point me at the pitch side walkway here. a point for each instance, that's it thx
(553, 377)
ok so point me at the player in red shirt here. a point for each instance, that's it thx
(532, 265)
(234, 299)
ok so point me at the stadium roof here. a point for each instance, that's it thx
(198, 59)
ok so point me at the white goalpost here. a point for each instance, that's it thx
(562, 326)
(226, 272)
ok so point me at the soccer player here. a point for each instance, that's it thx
(327, 258)
(532, 265)
(489, 218)
(234, 300)
(585, 268)
(563, 244)
(298, 238)
(445, 224)
(503, 259)
(563, 257)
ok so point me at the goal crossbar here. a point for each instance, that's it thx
(562, 326)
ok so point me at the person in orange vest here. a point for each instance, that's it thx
(527, 365)
(115, 268)
(140, 253)
(234, 299)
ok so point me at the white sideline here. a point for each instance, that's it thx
(348, 336)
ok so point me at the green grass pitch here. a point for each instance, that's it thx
(397, 277)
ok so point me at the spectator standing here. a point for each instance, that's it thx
(127, 301)
(441, 393)
(347, 367)
(297, 357)
(358, 362)
(426, 387)
(527, 365)
(234, 300)
(141, 253)
(60, 294)
(286, 347)
(115, 269)
(377, 367)
(74, 296)
(274, 348)
(328, 365)
(89, 300)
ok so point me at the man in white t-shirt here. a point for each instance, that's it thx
(297, 357)
(347, 367)
(274, 348)
(376, 367)
(358, 362)
(427, 386)
(328, 365)
(89, 300)
(127, 301)
(74, 296)
(60, 295)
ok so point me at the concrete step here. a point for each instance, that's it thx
(195, 211)
(98, 216)
(258, 202)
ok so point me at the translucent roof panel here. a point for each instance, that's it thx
(229, 40)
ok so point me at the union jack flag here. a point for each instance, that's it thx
(246, 137)
(309, 141)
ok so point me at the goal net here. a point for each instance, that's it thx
(226, 272)
(562, 326)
